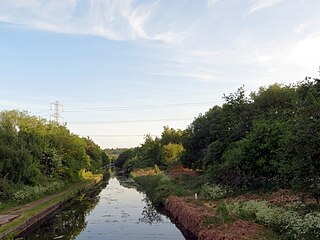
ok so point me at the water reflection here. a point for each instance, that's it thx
(113, 211)
(150, 214)
(68, 222)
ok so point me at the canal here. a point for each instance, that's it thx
(114, 210)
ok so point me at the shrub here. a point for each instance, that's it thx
(159, 187)
(214, 191)
(6, 189)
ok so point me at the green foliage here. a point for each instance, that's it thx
(123, 157)
(98, 157)
(214, 191)
(287, 222)
(223, 215)
(34, 150)
(159, 187)
(170, 135)
(29, 193)
(268, 140)
(171, 153)
(7, 188)
(162, 152)
(157, 169)
(201, 132)
(114, 153)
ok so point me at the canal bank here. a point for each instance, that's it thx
(18, 219)
(117, 211)
(206, 220)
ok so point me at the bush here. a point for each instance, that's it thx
(159, 187)
(6, 189)
(214, 191)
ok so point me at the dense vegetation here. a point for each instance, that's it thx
(254, 158)
(38, 157)
(267, 139)
(162, 151)
(114, 152)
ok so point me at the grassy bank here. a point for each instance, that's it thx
(274, 215)
(35, 208)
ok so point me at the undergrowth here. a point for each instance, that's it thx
(158, 187)
(288, 222)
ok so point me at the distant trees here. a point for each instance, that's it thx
(162, 151)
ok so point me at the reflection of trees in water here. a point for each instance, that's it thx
(70, 220)
(126, 182)
(150, 214)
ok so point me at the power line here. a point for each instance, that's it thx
(132, 135)
(43, 111)
(59, 109)
(133, 121)
(141, 107)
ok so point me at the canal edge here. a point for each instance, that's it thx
(19, 228)
(16, 230)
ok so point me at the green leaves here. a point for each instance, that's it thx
(271, 138)
(33, 150)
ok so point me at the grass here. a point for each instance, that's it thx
(87, 177)
(192, 184)
(266, 234)
(28, 214)
(158, 187)
(66, 193)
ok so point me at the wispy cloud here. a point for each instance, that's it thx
(112, 19)
(211, 3)
(261, 4)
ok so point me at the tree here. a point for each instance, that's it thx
(170, 135)
(171, 153)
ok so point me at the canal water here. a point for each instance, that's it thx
(115, 210)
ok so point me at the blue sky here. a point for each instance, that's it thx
(139, 54)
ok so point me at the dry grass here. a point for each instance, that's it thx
(195, 218)
(144, 172)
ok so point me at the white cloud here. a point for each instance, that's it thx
(261, 4)
(112, 19)
(211, 3)
(306, 52)
(275, 61)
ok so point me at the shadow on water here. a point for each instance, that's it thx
(113, 210)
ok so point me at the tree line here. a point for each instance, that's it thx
(267, 139)
(35, 151)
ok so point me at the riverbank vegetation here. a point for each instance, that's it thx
(40, 157)
(28, 214)
(254, 148)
